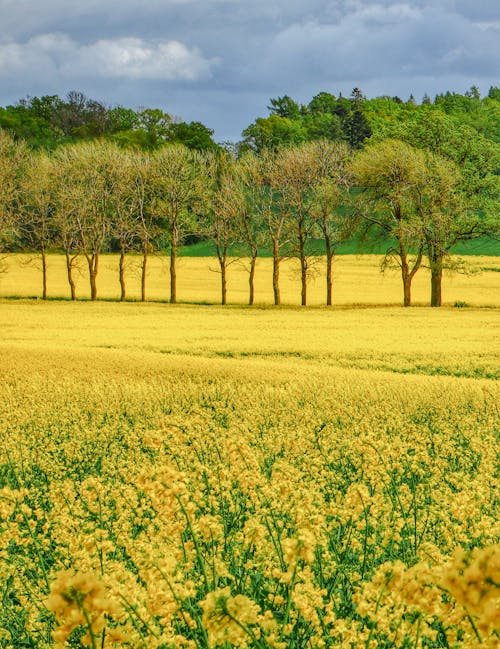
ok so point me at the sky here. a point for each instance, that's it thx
(220, 61)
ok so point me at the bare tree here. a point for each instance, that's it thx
(128, 209)
(67, 197)
(329, 201)
(177, 187)
(273, 211)
(224, 203)
(95, 164)
(13, 157)
(35, 222)
(255, 204)
(294, 174)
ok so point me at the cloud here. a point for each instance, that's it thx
(219, 61)
(382, 41)
(121, 58)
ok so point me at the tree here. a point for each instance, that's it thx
(284, 107)
(194, 135)
(224, 202)
(35, 220)
(255, 205)
(328, 202)
(323, 102)
(177, 189)
(95, 173)
(66, 204)
(357, 128)
(447, 216)
(293, 175)
(390, 179)
(153, 127)
(323, 126)
(357, 96)
(274, 215)
(273, 132)
(13, 160)
(476, 192)
(128, 210)
(494, 93)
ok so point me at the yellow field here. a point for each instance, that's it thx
(200, 476)
(357, 280)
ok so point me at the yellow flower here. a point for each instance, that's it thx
(227, 618)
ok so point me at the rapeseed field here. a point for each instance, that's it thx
(356, 280)
(188, 476)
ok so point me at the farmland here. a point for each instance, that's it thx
(203, 476)
(356, 280)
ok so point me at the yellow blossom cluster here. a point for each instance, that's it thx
(199, 499)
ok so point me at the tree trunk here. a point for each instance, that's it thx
(223, 281)
(303, 270)
(93, 262)
(71, 281)
(44, 275)
(303, 280)
(251, 276)
(173, 274)
(329, 277)
(329, 264)
(436, 277)
(406, 291)
(409, 275)
(121, 268)
(143, 274)
(405, 275)
(276, 273)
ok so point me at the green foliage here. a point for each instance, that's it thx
(325, 117)
(194, 135)
(49, 121)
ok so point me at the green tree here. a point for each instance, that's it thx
(323, 102)
(357, 128)
(194, 135)
(285, 107)
(477, 160)
(273, 132)
(390, 179)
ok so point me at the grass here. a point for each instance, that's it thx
(484, 246)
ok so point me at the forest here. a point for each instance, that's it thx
(81, 178)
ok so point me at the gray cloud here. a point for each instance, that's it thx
(219, 61)
(129, 57)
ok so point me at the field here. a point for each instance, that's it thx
(196, 476)
(357, 280)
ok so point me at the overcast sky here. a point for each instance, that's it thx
(219, 61)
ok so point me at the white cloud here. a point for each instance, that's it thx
(120, 58)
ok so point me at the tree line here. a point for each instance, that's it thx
(50, 121)
(417, 176)
(93, 197)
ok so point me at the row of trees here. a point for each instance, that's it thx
(423, 191)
